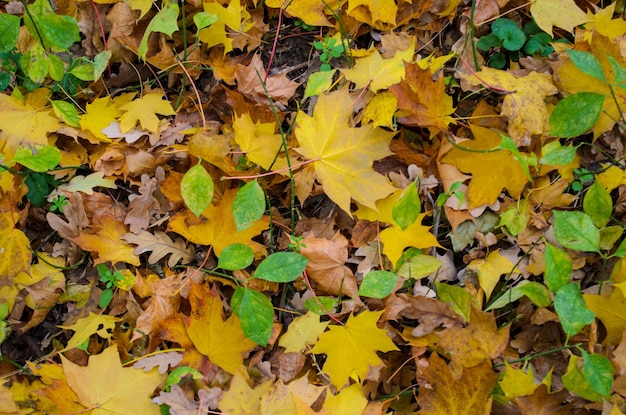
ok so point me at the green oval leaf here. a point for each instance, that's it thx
(327, 305)
(256, 314)
(9, 32)
(40, 160)
(575, 230)
(598, 204)
(248, 206)
(281, 267)
(378, 284)
(460, 299)
(558, 267)
(407, 208)
(572, 310)
(576, 114)
(67, 112)
(586, 62)
(197, 188)
(318, 83)
(235, 257)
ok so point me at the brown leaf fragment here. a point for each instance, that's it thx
(160, 245)
(543, 403)
(326, 264)
(430, 312)
(75, 214)
(142, 206)
(280, 88)
(471, 394)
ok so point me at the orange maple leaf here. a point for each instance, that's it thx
(216, 226)
(223, 341)
(491, 171)
(106, 241)
(351, 349)
(422, 101)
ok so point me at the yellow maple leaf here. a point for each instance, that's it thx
(102, 112)
(302, 333)
(422, 101)
(283, 399)
(106, 387)
(395, 240)
(216, 226)
(107, 242)
(351, 349)
(144, 110)
(311, 12)
(490, 269)
(560, 13)
(102, 325)
(603, 23)
(609, 309)
(524, 105)
(15, 257)
(384, 209)
(233, 16)
(349, 401)
(240, 398)
(343, 156)
(380, 14)
(491, 172)
(26, 120)
(515, 382)
(55, 387)
(377, 73)
(381, 110)
(258, 142)
(222, 341)
(453, 396)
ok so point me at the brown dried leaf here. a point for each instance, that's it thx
(142, 206)
(161, 245)
(430, 312)
(280, 88)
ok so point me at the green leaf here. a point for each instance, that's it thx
(100, 63)
(66, 112)
(177, 374)
(415, 265)
(41, 160)
(609, 236)
(598, 371)
(56, 67)
(256, 314)
(460, 299)
(318, 83)
(197, 188)
(378, 284)
(407, 208)
(621, 249)
(554, 154)
(248, 205)
(487, 42)
(59, 31)
(9, 32)
(539, 43)
(84, 71)
(575, 230)
(620, 73)
(35, 64)
(537, 293)
(516, 217)
(576, 382)
(281, 267)
(313, 305)
(558, 267)
(38, 185)
(576, 114)
(86, 184)
(204, 19)
(235, 257)
(105, 298)
(513, 38)
(572, 310)
(165, 21)
(598, 204)
(586, 62)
